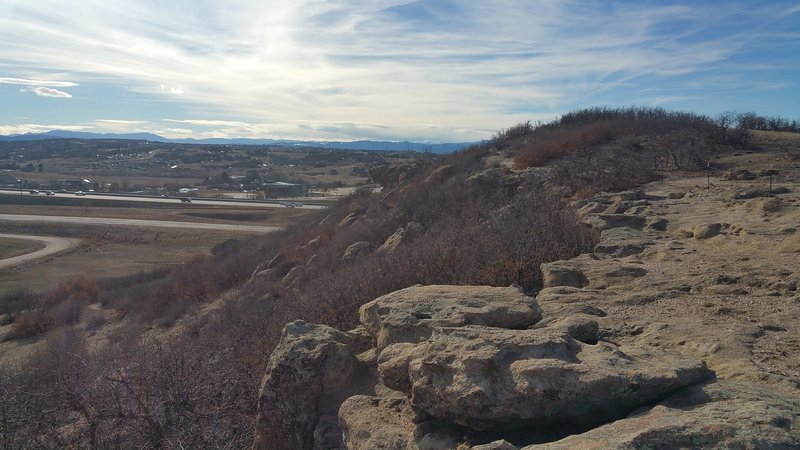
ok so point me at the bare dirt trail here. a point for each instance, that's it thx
(52, 245)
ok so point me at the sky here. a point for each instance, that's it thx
(427, 71)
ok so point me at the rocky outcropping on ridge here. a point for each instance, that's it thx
(677, 332)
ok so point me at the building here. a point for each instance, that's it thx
(281, 189)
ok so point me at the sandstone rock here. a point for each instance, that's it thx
(706, 231)
(372, 423)
(293, 275)
(590, 208)
(657, 224)
(403, 234)
(271, 264)
(492, 378)
(355, 250)
(411, 314)
(309, 374)
(312, 263)
(350, 219)
(607, 221)
(721, 415)
(558, 274)
(622, 242)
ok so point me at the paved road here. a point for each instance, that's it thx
(174, 201)
(51, 245)
(134, 222)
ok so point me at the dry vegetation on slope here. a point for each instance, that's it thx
(489, 215)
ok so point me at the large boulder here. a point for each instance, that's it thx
(309, 374)
(499, 379)
(371, 423)
(721, 415)
(411, 314)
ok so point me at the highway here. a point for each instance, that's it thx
(134, 222)
(153, 199)
(51, 245)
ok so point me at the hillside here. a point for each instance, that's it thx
(634, 283)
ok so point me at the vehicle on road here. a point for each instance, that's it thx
(33, 191)
(186, 200)
(49, 193)
(80, 193)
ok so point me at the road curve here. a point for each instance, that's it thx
(135, 223)
(51, 245)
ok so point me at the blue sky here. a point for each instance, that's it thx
(429, 70)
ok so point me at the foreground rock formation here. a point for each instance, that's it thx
(678, 331)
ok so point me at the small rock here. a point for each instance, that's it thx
(557, 274)
(706, 231)
(355, 250)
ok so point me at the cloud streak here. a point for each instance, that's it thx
(43, 91)
(440, 67)
(27, 82)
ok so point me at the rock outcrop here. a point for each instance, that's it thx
(449, 364)
(659, 338)
(312, 370)
(497, 379)
(412, 314)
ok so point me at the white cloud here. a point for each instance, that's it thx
(42, 91)
(179, 130)
(120, 122)
(38, 128)
(461, 65)
(212, 123)
(27, 82)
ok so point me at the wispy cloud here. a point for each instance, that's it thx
(27, 82)
(43, 91)
(333, 68)
(212, 123)
(120, 121)
(38, 128)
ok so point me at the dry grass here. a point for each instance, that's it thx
(15, 247)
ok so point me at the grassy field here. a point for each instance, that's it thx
(106, 252)
(111, 251)
(15, 247)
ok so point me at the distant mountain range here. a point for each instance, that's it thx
(354, 145)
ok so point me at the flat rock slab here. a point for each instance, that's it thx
(411, 314)
(491, 378)
(721, 415)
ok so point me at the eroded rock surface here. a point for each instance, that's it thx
(310, 372)
(411, 314)
(492, 378)
(720, 416)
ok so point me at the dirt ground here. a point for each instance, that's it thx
(718, 277)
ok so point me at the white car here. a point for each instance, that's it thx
(80, 193)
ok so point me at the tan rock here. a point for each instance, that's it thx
(411, 314)
(492, 378)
